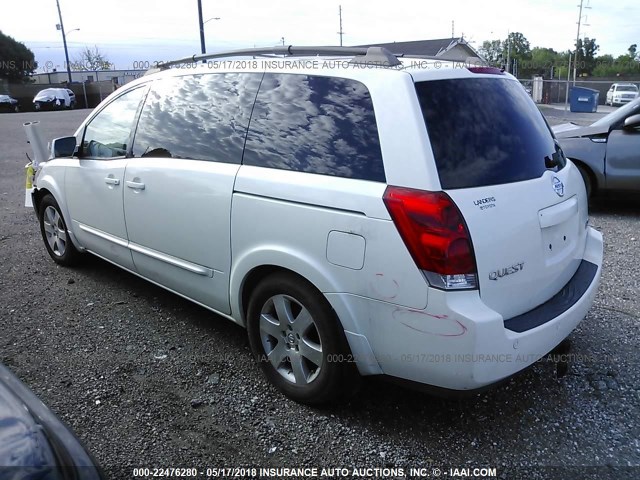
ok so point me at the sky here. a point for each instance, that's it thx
(133, 32)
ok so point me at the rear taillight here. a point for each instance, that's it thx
(436, 235)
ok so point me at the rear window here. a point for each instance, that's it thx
(485, 131)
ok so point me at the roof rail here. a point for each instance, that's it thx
(371, 55)
(377, 55)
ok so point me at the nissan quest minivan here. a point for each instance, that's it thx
(360, 214)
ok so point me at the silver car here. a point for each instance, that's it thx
(607, 152)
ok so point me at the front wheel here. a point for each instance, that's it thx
(586, 178)
(55, 233)
(298, 342)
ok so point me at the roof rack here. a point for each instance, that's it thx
(378, 56)
(374, 55)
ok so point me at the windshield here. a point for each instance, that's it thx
(627, 88)
(486, 131)
(620, 114)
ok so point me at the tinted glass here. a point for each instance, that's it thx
(107, 135)
(314, 124)
(200, 117)
(485, 131)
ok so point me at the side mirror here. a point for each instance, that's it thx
(63, 147)
(632, 122)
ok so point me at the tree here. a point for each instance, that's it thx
(91, 60)
(633, 50)
(604, 66)
(491, 50)
(517, 49)
(586, 49)
(17, 62)
(544, 61)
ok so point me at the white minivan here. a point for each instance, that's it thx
(360, 214)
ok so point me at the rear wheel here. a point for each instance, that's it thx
(55, 233)
(298, 341)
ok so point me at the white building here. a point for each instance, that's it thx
(118, 77)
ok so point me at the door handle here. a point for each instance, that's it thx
(135, 185)
(112, 181)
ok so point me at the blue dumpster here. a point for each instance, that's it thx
(583, 99)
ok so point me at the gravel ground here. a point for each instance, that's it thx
(147, 379)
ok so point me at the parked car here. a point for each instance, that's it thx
(34, 443)
(54, 99)
(606, 152)
(621, 93)
(8, 104)
(440, 237)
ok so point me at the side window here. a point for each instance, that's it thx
(200, 117)
(108, 133)
(315, 124)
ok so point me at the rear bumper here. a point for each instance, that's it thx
(458, 343)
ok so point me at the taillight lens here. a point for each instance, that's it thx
(435, 234)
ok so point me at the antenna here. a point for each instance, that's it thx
(340, 15)
(452, 28)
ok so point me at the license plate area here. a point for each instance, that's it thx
(560, 226)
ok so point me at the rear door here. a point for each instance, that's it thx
(524, 206)
(179, 183)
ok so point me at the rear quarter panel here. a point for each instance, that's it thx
(286, 219)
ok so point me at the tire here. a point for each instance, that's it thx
(298, 342)
(55, 233)
(586, 178)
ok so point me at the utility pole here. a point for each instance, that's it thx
(508, 51)
(340, 15)
(203, 49)
(575, 57)
(566, 93)
(64, 41)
